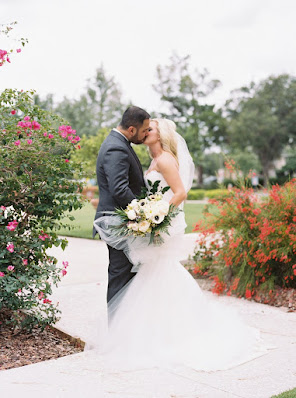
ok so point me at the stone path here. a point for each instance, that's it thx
(82, 297)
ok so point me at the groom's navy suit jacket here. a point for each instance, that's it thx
(120, 179)
(119, 173)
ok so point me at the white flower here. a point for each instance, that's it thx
(163, 207)
(143, 202)
(144, 226)
(157, 218)
(148, 212)
(134, 203)
(152, 197)
(134, 226)
(131, 214)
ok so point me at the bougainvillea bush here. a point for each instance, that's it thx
(248, 242)
(39, 183)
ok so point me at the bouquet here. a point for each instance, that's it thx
(149, 215)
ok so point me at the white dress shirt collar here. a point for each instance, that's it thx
(119, 132)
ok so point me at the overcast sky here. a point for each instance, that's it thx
(236, 40)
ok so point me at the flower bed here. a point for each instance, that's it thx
(248, 243)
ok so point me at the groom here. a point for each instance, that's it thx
(120, 179)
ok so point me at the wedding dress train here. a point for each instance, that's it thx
(162, 318)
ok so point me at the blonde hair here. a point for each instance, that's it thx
(168, 138)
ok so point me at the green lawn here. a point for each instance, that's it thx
(287, 394)
(85, 216)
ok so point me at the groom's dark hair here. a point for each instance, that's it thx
(133, 116)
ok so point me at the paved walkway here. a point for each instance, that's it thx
(82, 297)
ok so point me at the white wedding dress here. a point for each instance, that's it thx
(162, 318)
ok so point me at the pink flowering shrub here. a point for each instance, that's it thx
(5, 53)
(39, 184)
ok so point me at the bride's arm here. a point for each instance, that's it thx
(168, 167)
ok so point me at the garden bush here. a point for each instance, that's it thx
(196, 194)
(248, 243)
(216, 193)
(39, 184)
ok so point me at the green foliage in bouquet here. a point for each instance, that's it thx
(39, 184)
(248, 242)
(149, 215)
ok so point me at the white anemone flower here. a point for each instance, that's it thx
(157, 218)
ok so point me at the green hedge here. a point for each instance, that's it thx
(199, 194)
(196, 194)
(216, 193)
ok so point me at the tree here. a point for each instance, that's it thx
(46, 103)
(79, 114)
(87, 155)
(185, 90)
(100, 106)
(104, 96)
(262, 117)
(245, 160)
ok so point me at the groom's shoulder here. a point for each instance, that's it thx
(114, 140)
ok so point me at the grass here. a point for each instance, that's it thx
(85, 216)
(287, 394)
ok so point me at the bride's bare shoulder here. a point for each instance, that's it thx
(166, 159)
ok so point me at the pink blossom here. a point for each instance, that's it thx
(46, 301)
(17, 143)
(7, 59)
(50, 136)
(10, 268)
(64, 272)
(45, 134)
(64, 134)
(35, 125)
(18, 50)
(77, 138)
(67, 160)
(12, 225)
(27, 118)
(78, 147)
(3, 208)
(2, 54)
(2, 274)
(21, 124)
(29, 142)
(70, 137)
(44, 236)
(10, 247)
(65, 264)
(13, 112)
(25, 261)
(40, 295)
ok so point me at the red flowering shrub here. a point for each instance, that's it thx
(248, 241)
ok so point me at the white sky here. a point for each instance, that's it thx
(236, 40)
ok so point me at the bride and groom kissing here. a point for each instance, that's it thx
(158, 316)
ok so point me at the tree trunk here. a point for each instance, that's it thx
(199, 170)
(266, 174)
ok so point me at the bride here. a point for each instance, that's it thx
(161, 318)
